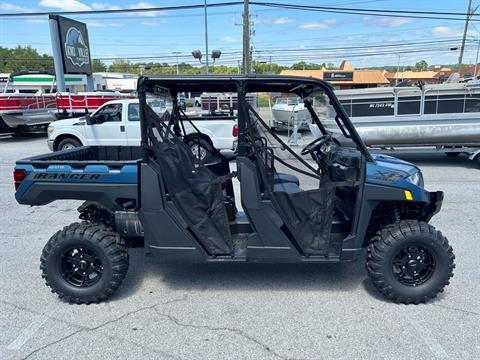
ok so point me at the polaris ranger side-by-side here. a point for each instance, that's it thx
(325, 204)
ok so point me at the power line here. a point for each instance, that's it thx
(399, 11)
(333, 9)
(119, 11)
(369, 12)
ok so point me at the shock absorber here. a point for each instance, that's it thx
(393, 211)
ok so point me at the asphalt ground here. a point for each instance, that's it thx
(236, 311)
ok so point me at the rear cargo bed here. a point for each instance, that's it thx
(107, 175)
(104, 154)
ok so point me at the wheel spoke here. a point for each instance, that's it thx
(81, 267)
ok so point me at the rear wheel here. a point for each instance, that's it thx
(84, 263)
(410, 262)
(68, 143)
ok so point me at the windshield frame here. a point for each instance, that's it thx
(342, 120)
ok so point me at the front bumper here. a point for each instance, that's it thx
(436, 201)
(50, 144)
(431, 206)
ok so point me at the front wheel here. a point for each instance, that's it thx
(410, 262)
(68, 143)
(84, 263)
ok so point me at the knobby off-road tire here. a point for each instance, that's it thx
(84, 262)
(410, 262)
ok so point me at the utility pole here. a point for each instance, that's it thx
(176, 53)
(206, 39)
(465, 30)
(246, 38)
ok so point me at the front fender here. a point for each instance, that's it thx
(72, 133)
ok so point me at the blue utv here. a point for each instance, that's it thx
(325, 203)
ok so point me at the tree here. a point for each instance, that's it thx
(302, 65)
(421, 66)
(24, 58)
(120, 65)
(98, 66)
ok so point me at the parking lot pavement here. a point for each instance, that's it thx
(211, 311)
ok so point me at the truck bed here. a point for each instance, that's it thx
(104, 174)
(88, 154)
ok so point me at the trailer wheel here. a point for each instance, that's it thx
(68, 143)
(84, 263)
(410, 262)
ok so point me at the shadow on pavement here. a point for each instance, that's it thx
(4, 138)
(240, 276)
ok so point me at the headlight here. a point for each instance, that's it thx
(416, 178)
(50, 129)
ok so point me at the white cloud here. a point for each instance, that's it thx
(269, 21)
(442, 31)
(104, 6)
(6, 6)
(145, 5)
(318, 25)
(36, 21)
(65, 5)
(283, 20)
(153, 23)
(104, 24)
(229, 39)
(387, 22)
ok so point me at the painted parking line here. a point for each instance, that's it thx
(29, 331)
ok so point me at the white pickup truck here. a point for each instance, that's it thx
(117, 122)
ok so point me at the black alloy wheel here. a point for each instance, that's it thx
(410, 262)
(84, 262)
(413, 265)
(81, 266)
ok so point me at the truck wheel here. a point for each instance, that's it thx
(84, 263)
(410, 262)
(68, 143)
(201, 148)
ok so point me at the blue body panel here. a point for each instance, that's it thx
(386, 171)
(393, 172)
(104, 174)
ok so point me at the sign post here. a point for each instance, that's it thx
(57, 55)
(71, 50)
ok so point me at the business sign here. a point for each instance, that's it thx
(75, 47)
(338, 75)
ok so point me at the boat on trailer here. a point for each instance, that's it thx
(443, 116)
(288, 110)
(29, 100)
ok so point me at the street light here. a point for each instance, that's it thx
(197, 54)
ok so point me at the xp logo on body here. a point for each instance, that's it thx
(76, 50)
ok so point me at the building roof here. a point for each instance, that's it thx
(431, 74)
(360, 77)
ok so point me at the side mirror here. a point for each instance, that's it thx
(88, 119)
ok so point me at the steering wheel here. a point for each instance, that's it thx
(314, 145)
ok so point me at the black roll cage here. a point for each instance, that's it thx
(242, 85)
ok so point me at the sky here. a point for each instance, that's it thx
(280, 35)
